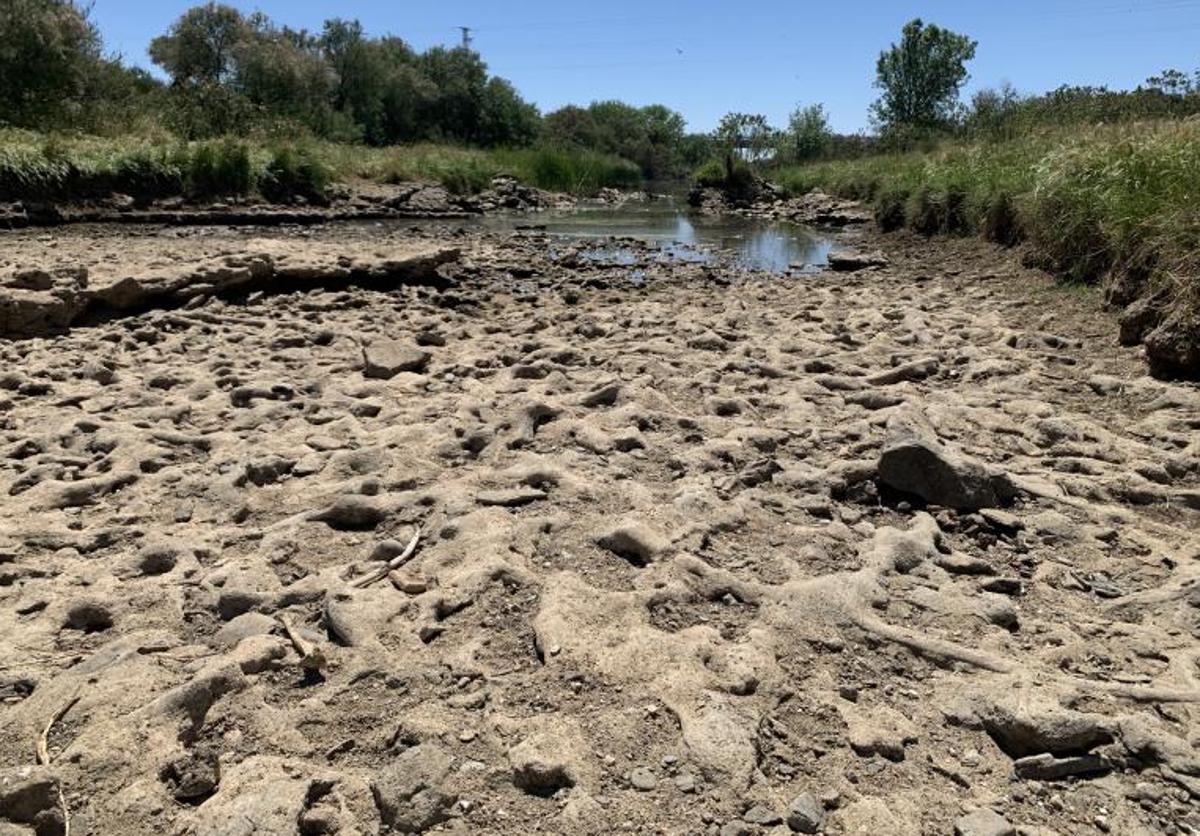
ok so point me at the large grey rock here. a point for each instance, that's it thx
(29, 795)
(539, 767)
(805, 814)
(385, 359)
(915, 461)
(409, 792)
(983, 822)
(1024, 725)
(259, 796)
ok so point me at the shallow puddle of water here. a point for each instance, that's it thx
(772, 246)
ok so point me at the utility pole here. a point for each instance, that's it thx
(466, 33)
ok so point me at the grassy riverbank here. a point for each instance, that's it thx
(1121, 201)
(40, 166)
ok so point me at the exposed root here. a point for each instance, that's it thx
(935, 648)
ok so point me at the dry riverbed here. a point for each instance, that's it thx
(360, 529)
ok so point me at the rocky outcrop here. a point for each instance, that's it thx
(35, 301)
(360, 202)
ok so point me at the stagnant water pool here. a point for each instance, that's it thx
(772, 246)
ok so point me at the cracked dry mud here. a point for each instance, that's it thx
(702, 555)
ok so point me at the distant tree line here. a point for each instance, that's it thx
(230, 73)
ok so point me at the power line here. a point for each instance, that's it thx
(467, 40)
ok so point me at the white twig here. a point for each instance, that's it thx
(395, 563)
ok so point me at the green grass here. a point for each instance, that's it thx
(1118, 201)
(471, 170)
(49, 167)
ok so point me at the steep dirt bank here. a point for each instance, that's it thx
(897, 550)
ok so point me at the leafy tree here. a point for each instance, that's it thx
(200, 47)
(695, 149)
(921, 77)
(506, 118)
(460, 77)
(808, 135)
(650, 136)
(1173, 83)
(49, 51)
(993, 112)
(283, 72)
(745, 134)
(360, 75)
(408, 95)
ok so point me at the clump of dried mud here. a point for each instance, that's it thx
(468, 534)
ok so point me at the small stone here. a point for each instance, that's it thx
(999, 610)
(352, 511)
(685, 783)
(192, 777)
(850, 261)
(880, 731)
(539, 767)
(234, 602)
(805, 814)
(1002, 586)
(762, 815)
(243, 626)
(1002, 519)
(915, 461)
(1046, 767)
(642, 779)
(408, 584)
(983, 822)
(157, 558)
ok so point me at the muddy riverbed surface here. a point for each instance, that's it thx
(462, 528)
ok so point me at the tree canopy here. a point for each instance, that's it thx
(49, 55)
(921, 77)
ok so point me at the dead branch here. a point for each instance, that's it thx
(395, 563)
(43, 742)
(311, 658)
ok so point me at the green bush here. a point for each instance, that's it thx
(890, 209)
(569, 170)
(1117, 201)
(294, 172)
(219, 169)
(738, 180)
(1001, 222)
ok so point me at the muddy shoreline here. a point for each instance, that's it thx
(469, 534)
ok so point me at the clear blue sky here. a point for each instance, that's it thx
(705, 58)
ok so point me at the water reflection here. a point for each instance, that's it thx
(755, 244)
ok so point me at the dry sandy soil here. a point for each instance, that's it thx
(489, 540)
